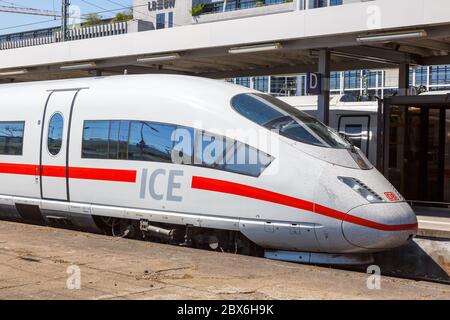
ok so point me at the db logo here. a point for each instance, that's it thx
(391, 196)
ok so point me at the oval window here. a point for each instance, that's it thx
(55, 133)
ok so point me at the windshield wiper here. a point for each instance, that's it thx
(275, 123)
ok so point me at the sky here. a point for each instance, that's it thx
(12, 22)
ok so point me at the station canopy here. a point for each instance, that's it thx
(273, 44)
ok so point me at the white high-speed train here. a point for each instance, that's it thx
(165, 157)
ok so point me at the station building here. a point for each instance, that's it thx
(171, 13)
(162, 14)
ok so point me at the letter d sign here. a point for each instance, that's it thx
(314, 83)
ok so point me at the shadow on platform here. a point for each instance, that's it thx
(421, 259)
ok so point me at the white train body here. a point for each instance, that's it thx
(309, 198)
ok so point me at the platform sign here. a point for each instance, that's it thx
(313, 83)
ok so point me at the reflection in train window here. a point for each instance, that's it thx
(113, 144)
(219, 152)
(55, 134)
(124, 133)
(150, 141)
(157, 142)
(95, 139)
(209, 150)
(245, 159)
(183, 148)
(11, 137)
(274, 114)
(354, 132)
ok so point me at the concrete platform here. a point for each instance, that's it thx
(34, 262)
(434, 226)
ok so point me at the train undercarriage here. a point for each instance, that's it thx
(227, 241)
(188, 236)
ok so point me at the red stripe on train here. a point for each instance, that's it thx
(54, 171)
(270, 196)
(116, 175)
(103, 174)
(13, 168)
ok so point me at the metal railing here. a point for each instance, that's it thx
(103, 30)
(234, 5)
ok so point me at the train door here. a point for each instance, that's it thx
(54, 140)
(357, 129)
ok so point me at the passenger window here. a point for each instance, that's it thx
(183, 149)
(158, 142)
(95, 139)
(11, 137)
(150, 141)
(244, 159)
(55, 134)
(209, 150)
(124, 133)
(113, 145)
(218, 152)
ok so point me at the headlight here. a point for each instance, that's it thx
(363, 190)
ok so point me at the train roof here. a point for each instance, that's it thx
(155, 82)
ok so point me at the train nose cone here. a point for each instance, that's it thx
(380, 226)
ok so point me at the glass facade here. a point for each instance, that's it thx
(215, 6)
(283, 86)
(160, 21)
(440, 75)
(352, 79)
(359, 83)
(170, 18)
(323, 3)
(261, 83)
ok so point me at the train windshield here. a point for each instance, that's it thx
(297, 125)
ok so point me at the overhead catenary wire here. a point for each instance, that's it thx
(29, 24)
(93, 5)
(13, 4)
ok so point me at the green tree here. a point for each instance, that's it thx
(122, 16)
(197, 9)
(92, 19)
